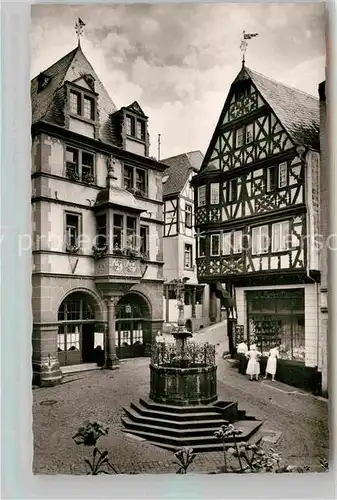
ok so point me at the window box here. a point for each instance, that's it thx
(99, 252)
(135, 180)
(72, 248)
(80, 165)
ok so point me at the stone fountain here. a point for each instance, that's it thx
(183, 374)
(182, 408)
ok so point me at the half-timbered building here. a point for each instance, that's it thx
(97, 223)
(257, 215)
(179, 247)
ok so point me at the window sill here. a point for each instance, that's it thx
(134, 138)
(82, 119)
(83, 183)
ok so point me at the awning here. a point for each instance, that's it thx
(224, 296)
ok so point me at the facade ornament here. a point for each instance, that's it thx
(111, 170)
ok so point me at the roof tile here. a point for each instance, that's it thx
(179, 169)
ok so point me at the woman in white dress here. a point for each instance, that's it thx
(253, 367)
(272, 362)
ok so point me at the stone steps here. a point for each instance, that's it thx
(173, 427)
(165, 419)
(175, 416)
(200, 440)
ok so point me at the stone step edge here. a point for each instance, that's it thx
(148, 403)
(175, 416)
(144, 429)
(170, 429)
(182, 423)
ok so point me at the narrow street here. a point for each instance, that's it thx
(299, 418)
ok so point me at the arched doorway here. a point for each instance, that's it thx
(79, 333)
(133, 326)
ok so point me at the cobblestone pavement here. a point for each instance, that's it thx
(100, 395)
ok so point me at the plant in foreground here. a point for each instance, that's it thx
(250, 457)
(185, 457)
(88, 435)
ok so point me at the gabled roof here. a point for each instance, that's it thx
(135, 108)
(48, 104)
(297, 111)
(180, 167)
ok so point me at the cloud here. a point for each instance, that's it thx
(179, 61)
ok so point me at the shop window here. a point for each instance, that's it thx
(276, 317)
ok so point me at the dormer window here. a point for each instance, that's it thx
(75, 103)
(135, 127)
(82, 104)
(88, 108)
(130, 125)
(42, 81)
(140, 130)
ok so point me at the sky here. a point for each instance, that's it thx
(179, 60)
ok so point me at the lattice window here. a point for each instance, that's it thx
(215, 244)
(201, 196)
(280, 236)
(260, 240)
(282, 175)
(215, 193)
(237, 241)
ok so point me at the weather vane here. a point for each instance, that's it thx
(79, 25)
(244, 43)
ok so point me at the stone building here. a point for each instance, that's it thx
(179, 245)
(257, 215)
(97, 219)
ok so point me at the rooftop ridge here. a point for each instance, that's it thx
(73, 52)
(277, 82)
(182, 154)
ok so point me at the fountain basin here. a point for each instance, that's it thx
(194, 385)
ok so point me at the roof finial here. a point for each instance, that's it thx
(244, 43)
(79, 25)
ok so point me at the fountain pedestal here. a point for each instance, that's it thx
(182, 409)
